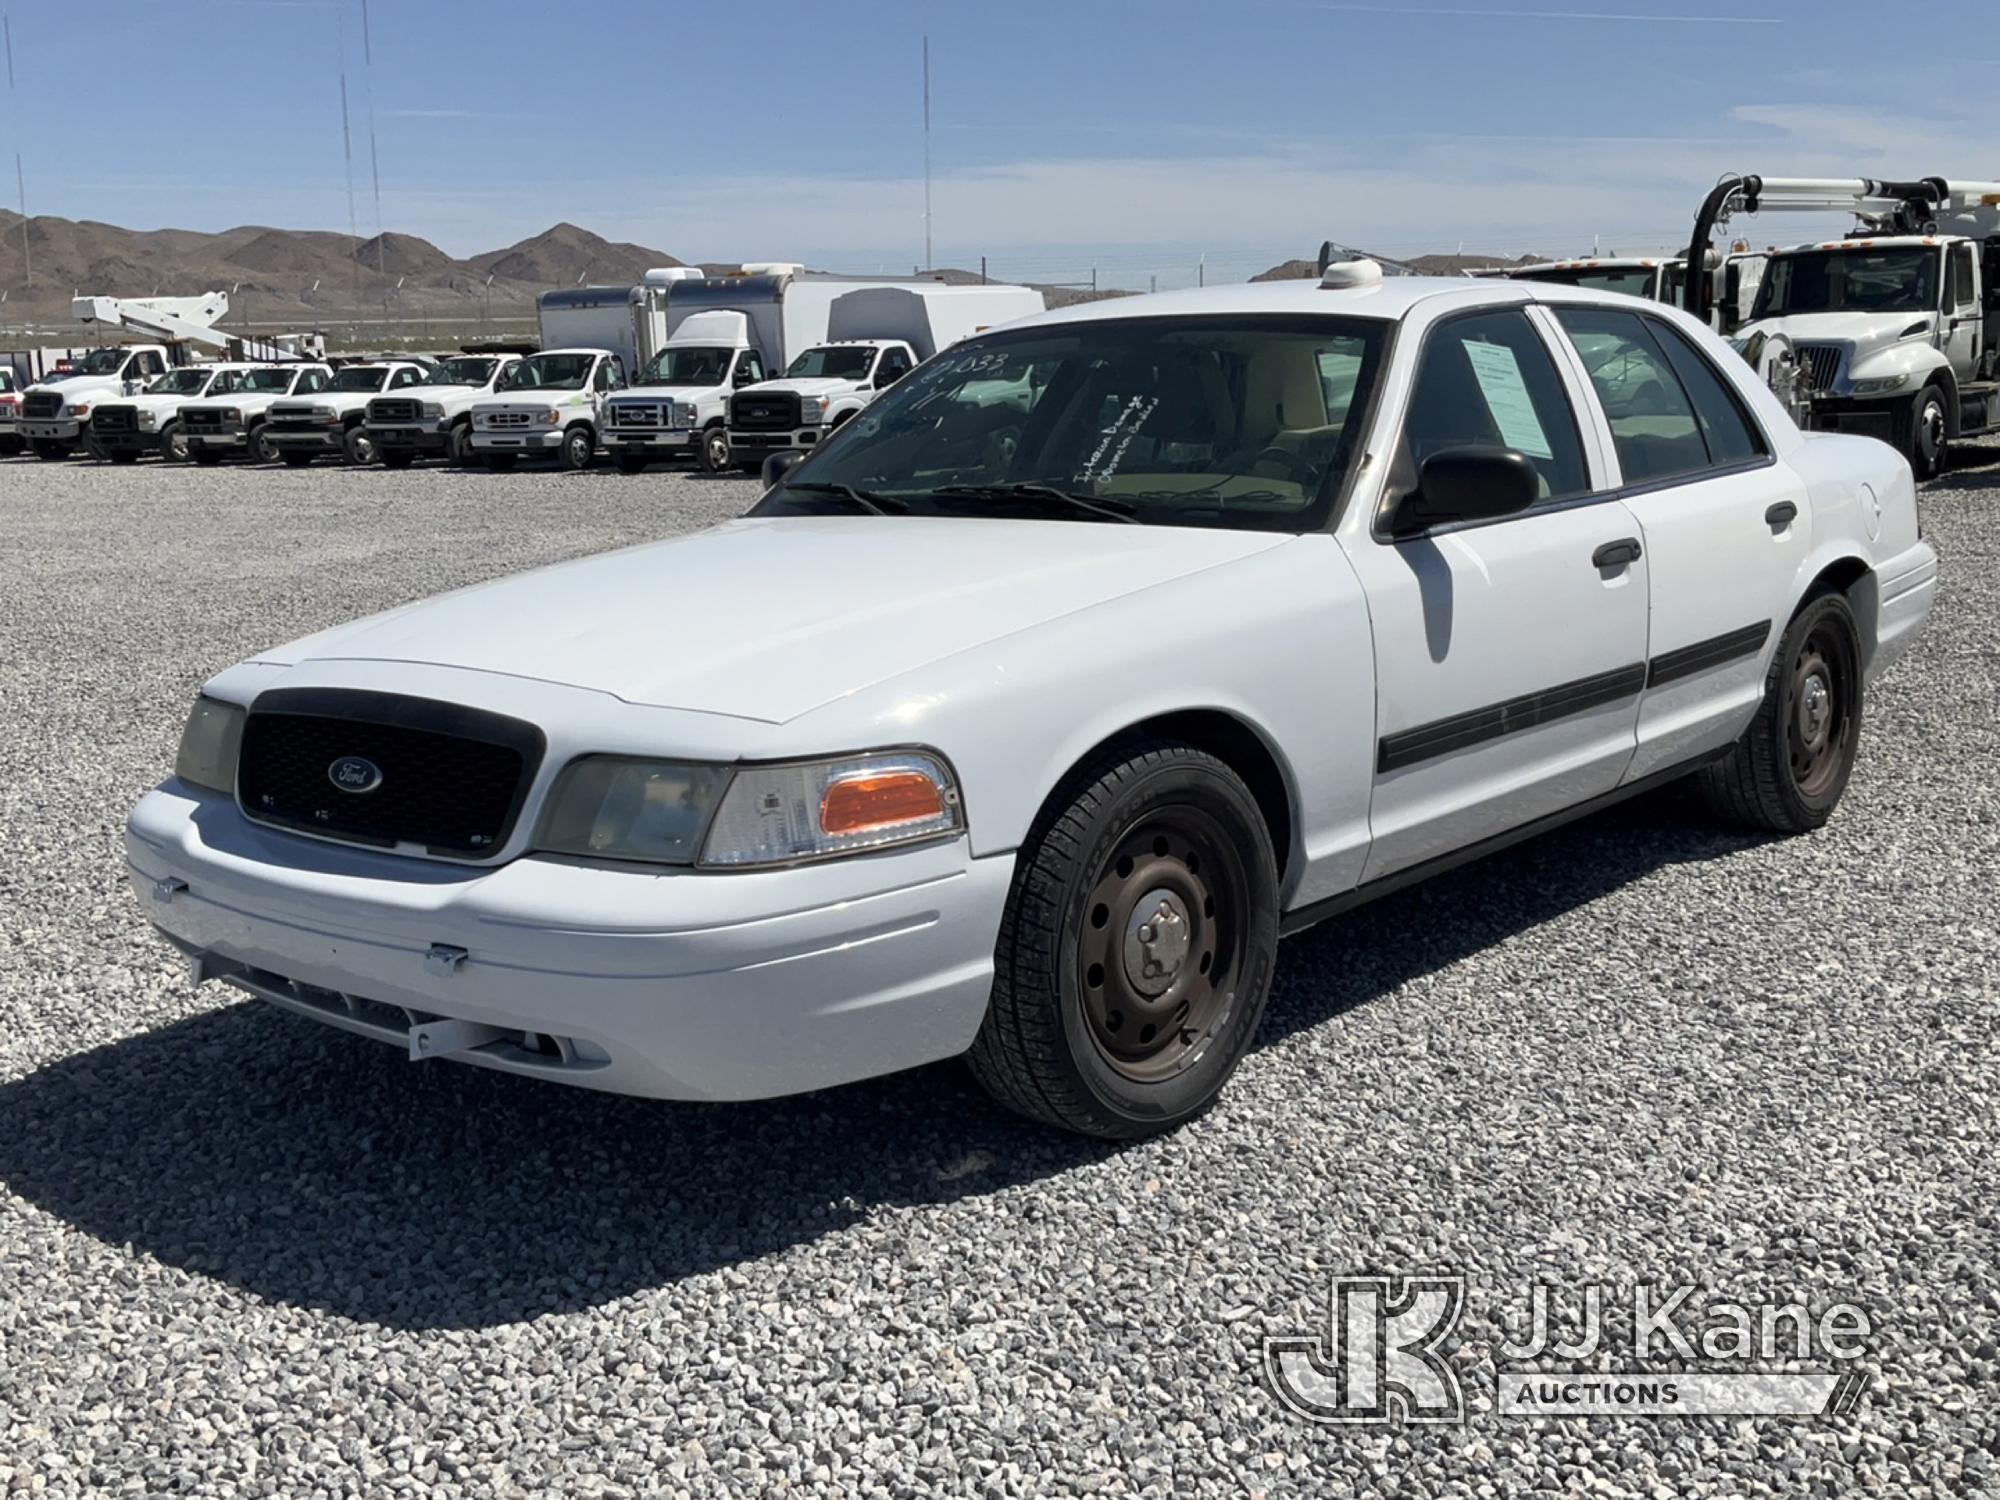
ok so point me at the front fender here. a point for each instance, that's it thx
(1913, 358)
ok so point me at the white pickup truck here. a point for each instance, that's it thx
(678, 405)
(217, 426)
(434, 417)
(150, 422)
(54, 410)
(330, 421)
(821, 391)
(548, 405)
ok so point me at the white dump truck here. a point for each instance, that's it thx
(328, 423)
(232, 426)
(1892, 330)
(434, 417)
(127, 430)
(875, 336)
(55, 411)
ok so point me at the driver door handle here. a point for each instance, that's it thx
(1780, 515)
(1616, 554)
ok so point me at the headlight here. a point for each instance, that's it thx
(148, 419)
(781, 814)
(230, 414)
(432, 410)
(680, 414)
(811, 408)
(659, 812)
(208, 745)
(609, 807)
(1877, 386)
(79, 411)
(550, 417)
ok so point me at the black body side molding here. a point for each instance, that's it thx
(1670, 666)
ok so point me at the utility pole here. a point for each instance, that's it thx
(928, 261)
(20, 182)
(982, 270)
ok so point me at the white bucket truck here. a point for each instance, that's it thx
(1893, 330)
(434, 417)
(874, 337)
(56, 410)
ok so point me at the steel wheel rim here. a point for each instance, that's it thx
(1159, 948)
(579, 452)
(718, 449)
(364, 449)
(177, 447)
(1930, 430)
(1819, 719)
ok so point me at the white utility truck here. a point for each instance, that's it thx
(875, 336)
(218, 427)
(434, 417)
(677, 405)
(1894, 329)
(329, 422)
(547, 405)
(55, 412)
(150, 422)
(1656, 279)
(11, 441)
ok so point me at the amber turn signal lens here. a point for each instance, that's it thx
(862, 803)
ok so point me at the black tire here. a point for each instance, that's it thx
(500, 463)
(123, 456)
(357, 447)
(296, 458)
(260, 447)
(174, 446)
(579, 446)
(208, 458)
(50, 450)
(12, 447)
(397, 458)
(458, 447)
(631, 463)
(1926, 432)
(714, 454)
(1786, 774)
(1075, 1033)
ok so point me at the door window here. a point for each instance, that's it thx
(403, 378)
(1727, 429)
(1488, 380)
(749, 368)
(894, 366)
(1962, 296)
(1652, 421)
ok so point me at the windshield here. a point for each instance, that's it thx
(549, 372)
(267, 380)
(184, 383)
(1633, 281)
(1245, 422)
(360, 378)
(834, 363)
(685, 366)
(99, 362)
(1849, 281)
(471, 370)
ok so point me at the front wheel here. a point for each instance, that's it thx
(1928, 433)
(261, 445)
(12, 447)
(1136, 948)
(358, 447)
(714, 449)
(1788, 771)
(577, 447)
(458, 447)
(174, 444)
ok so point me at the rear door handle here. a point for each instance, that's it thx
(1780, 515)
(1616, 554)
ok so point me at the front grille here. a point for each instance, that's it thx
(776, 412)
(633, 414)
(114, 419)
(449, 778)
(509, 418)
(41, 406)
(1822, 363)
(297, 424)
(196, 421)
(392, 411)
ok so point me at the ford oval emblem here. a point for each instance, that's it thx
(355, 773)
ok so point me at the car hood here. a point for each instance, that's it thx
(1868, 332)
(822, 385)
(767, 618)
(422, 393)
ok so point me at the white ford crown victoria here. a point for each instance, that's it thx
(1021, 719)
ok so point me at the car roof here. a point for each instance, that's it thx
(578, 350)
(1870, 242)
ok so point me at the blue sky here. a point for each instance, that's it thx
(1138, 136)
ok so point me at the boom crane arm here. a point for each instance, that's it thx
(175, 320)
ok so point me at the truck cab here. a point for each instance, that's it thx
(434, 417)
(55, 410)
(150, 422)
(1653, 278)
(550, 405)
(677, 406)
(218, 426)
(1896, 335)
(818, 393)
(330, 421)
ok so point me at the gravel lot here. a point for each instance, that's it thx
(240, 1253)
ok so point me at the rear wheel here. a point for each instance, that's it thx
(1927, 433)
(1136, 948)
(358, 447)
(173, 444)
(1790, 767)
(714, 449)
(51, 449)
(295, 458)
(577, 447)
(397, 458)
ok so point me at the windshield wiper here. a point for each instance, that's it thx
(1108, 510)
(868, 500)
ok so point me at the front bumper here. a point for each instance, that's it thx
(1870, 416)
(670, 439)
(126, 441)
(1906, 587)
(234, 437)
(517, 440)
(421, 437)
(669, 984)
(61, 430)
(755, 444)
(331, 439)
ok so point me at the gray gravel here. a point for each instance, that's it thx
(243, 1254)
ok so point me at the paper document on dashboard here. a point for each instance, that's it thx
(1506, 393)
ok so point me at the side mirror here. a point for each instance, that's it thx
(1472, 483)
(743, 376)
(778, 465)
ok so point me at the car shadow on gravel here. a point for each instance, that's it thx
(310, 1167)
